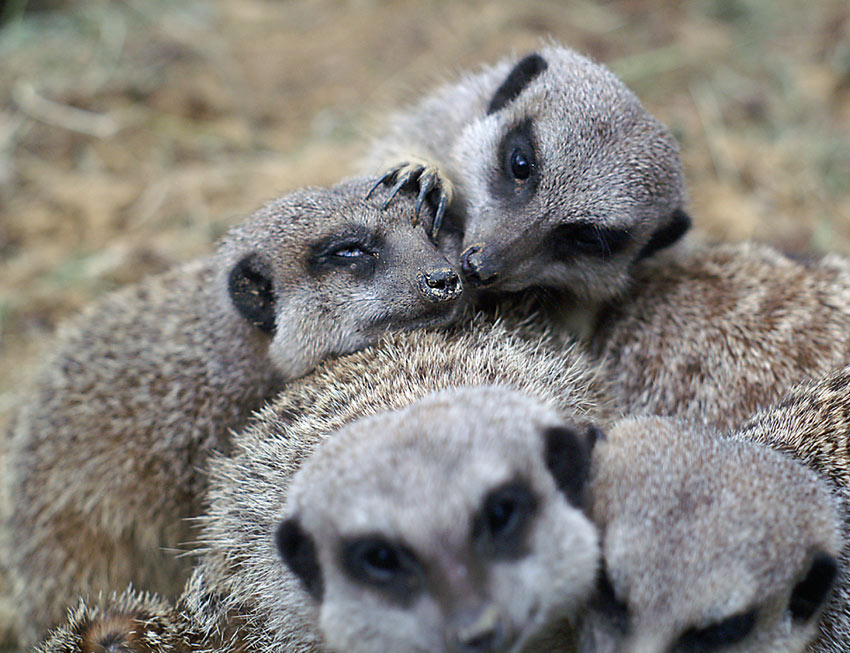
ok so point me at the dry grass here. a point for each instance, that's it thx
(132, 133)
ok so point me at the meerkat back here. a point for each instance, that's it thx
(718, 332)
(709, 544)
(105, 462)
(555, 172)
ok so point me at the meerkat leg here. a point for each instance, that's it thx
(429, 178)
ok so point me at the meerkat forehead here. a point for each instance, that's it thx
(463, 442)
(697, 529)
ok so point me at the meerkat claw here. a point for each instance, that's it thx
(402, 179)
(441, 211)
(389, 176)
(426, 185)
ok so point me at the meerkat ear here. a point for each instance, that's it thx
(252, 292)
(525, 70)
(811, 592)
(298, 551)
(665, 236)
(567, 456)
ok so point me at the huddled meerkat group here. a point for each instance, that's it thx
(372, 442)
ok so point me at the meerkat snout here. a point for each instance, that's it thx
(449, 525)
(440, 285)
(478, 269)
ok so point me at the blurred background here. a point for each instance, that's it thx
(134, 132)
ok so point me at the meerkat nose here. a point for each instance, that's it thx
(440, 285)
(474, 267)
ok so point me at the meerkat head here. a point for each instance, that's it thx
(567, 179)
(709, 544)
(327, 272)
(451, 525)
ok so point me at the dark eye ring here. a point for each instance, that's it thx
(520, 164)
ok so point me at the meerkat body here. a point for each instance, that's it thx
(709, 544)
(261, 604)
(105, 461)
(717, 332)
(556, 173)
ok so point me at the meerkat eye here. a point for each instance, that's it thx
(520, 165)
(500, 525)
(356, 251)
(350, 251)
(731, 630)
(386, 565)
(588, 239)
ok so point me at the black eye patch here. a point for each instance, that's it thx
(518, 175)
(588, 239)
(716, 636)
(355, 249)
(387, 566)
(499, 527)
(520, 76)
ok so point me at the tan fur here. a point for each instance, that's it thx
(259, 599)
(697, 529)
(599, 160)
(719, 331)
(105, 460)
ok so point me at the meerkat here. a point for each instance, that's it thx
(811, 422)
(713, 333)
(104, 464)
(554, 170)
(242, 594)
(709, 544)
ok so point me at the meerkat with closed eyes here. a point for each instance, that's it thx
(243, 595)
(105, 461)
(552, 168)
(709, 544)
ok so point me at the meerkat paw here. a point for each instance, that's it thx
(425, 175)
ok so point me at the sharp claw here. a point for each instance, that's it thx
(382, 180)
(438, 219)
(395, 189)
(425, 186)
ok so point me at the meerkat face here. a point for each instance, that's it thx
(568, 181)
(709, 545)
(451, 525)
(326, 272)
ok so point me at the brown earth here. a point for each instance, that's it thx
(133, 132)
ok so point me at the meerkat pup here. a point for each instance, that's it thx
(556, 173)
(717, 332)
(709, 544)
(269, 568)
(104, 462)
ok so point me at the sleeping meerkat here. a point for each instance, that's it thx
(709, 544)
(105, 460)
(717, 332)
(556, 173)
(242, 596)
(811, 422)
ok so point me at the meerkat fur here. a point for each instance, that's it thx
(105, 462)
(715, 332)
(556, 173)
(264, 606)
(708, 543)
